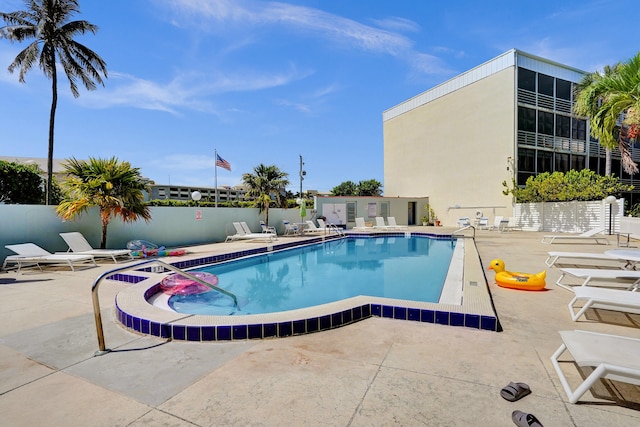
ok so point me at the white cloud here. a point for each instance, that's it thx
(398, 24)
(220, 15)
(191, 90)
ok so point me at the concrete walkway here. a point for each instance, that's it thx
(378, 372)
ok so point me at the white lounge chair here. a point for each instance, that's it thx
(591, 235)
(392, 224)
(361, 226)
(241, 234)
(607, 299)
(32, 254)
(613, 357)
(268, 228)
(79, 246)
(380, 225)
(313, 228)
(589, 274)
(289, 228)
(330, 228)
(555, 256)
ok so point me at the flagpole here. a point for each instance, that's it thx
(215, 167)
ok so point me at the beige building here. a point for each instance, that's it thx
(509, 118)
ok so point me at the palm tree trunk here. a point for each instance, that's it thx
(52, 119)
(105, 223)
(607, 162)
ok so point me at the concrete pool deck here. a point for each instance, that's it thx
(374, 372)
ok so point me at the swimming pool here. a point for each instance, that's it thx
(409, 268)
(464, 300)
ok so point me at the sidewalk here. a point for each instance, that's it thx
(372, 373)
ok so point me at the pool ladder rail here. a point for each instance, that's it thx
(160, 267)
(460, 232)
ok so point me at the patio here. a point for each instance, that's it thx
(374, 372)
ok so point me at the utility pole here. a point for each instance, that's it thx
(302, 174)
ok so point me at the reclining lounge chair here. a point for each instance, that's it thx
(361, 226)
(32, 254)
(553, 257)
(79, 246)
(589, 274)
(606, 299)
(241, 234)
(613, 357)
(589, 236)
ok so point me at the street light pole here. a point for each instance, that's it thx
(610, 200)
(302, 174)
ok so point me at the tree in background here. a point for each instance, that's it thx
(114, 187)
(370, 187)
(47, 23)
(347, 188)
(20, 183)
(266, 185)
(604, 98)
(581, 185)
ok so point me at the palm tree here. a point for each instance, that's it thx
(266, 185)
(47, 22)
(604, 97)
(113, 186)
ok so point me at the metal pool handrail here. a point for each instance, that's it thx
(454, 234)
(96, 301)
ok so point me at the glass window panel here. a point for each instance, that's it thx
(545, 84)
(526, 160)
(526, 79)
(615, 167)
(545, 161)
(594, 165)
(523, 176)
(602, 164)
(526, 119)
(579, 129)
(563, 89)
(545, 122)
(562, 162)
(563, 126)
(577, 162)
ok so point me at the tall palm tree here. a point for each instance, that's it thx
(266, 185)
(604, 97)
(113, 186)
(48, 23)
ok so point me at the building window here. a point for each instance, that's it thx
(545, 84)
(545, 161)
(563, 126)
(545, 123)
(526, 160)
(577, 162)
(526, 79)
(562, 162)
(579, 129)
(526, 119)
(563, 89)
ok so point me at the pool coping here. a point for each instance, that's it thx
(466, 283)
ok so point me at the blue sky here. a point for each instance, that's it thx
(265, 82)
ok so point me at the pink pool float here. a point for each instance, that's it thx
(177, 284)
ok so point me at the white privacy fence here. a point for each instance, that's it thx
(569, 217)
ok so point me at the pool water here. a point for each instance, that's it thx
(410, 268)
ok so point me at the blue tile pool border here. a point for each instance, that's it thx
(312, 324)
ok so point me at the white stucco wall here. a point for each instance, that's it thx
(454, 149)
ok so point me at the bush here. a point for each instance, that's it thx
(563, 187)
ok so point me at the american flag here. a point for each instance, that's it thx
(222, 163)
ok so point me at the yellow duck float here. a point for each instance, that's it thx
(510, 279)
